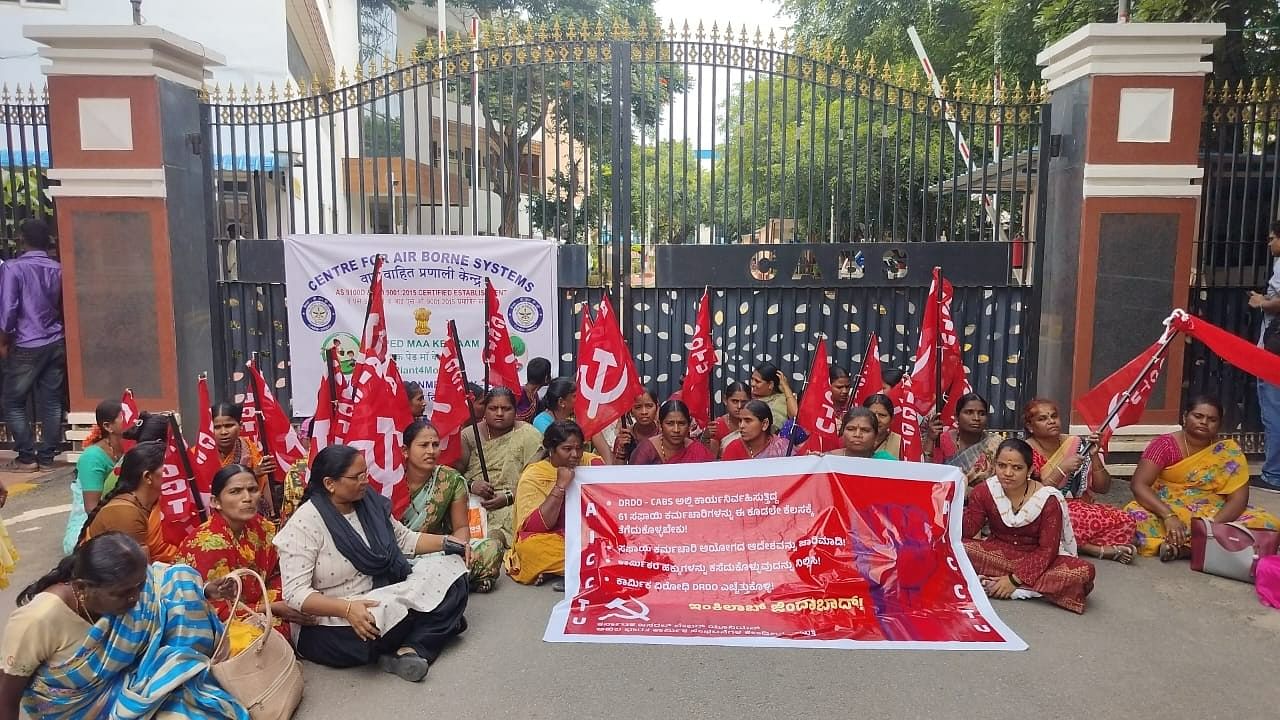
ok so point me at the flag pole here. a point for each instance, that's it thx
(487, 353)
(368, 305)
(331, 380)
(1124, 397)
(262, 433)
(711, 384)
(471, 407)
(936, 300)
(862, 367)
(186, 462)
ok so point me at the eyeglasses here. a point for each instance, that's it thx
(358, 478)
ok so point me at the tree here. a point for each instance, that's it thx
(671, 193)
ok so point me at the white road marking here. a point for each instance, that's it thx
(31, 529)
(38, 513)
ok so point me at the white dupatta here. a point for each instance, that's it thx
(1030, 512)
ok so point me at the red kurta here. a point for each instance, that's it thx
(1030, 552)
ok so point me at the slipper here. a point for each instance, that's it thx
(1123, 554)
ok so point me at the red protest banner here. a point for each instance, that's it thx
(813, 551)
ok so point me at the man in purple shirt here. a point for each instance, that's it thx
(34, 348)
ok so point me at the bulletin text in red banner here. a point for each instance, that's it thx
(786, 552)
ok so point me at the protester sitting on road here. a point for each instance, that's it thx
(770, 385)
(673, 445)
(1191, 474)
(1102, 531)
(438, 503)
(756, 438)
(538, 552)
(509, 445)
(417, 399)
(558, 403)
(236, 537)
(131, 502)
(102, 450)
(969, 446)
(724, 429)
(1031, 551)
(841, 387)
(343, 560)
(643, 424)
(83, 642)
(537, 375)
(234, 449)
(153, 428)
(886, 439)
(859, 431)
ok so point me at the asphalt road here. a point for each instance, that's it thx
(1158, 641)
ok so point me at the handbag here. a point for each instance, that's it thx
(1230, 550)
(1271, 336)
(265, 677)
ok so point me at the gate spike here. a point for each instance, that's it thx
(844, 58)
(1269, 90)
(728, 32)
(288, 89)
(1255, 91)
(259, 95)
(715, 32)
(759, 39)
(4, 94)
(274, 94)
(886, 72)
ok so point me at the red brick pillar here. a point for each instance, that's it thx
(1124, 196)
(125, 135)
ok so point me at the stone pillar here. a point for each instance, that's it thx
(125, 139)
(1124, 178)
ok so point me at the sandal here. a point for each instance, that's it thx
(1169, 552)
(1122, 554)
(484, 586)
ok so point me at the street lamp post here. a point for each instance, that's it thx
(137, 11)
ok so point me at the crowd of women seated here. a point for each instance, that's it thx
(351, 585)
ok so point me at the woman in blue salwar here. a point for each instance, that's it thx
(105, 635)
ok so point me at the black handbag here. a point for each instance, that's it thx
(1271, 336)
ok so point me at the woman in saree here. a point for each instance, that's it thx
(1031, 551)
(509, 445)
(770, 385)
(887, 440)
(537, 375)
(756, 438)
(860, 434)
(131, 506)
(238, 450)
(417, 399)
(841, 386)
(969, 446)
(1102, 531)
(724, 429)
(643, 425)
(562, 395)
(237, 537)
(102, 450)
(104, 621)
(538, 552)
(672, 445)
(343, 560)
(438, 503)
(1191, 474)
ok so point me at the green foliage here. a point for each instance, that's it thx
(25, 195)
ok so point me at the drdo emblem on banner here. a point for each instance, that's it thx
(318, 313)
(525, 314)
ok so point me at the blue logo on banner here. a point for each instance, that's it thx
(318, 313)
(525, 314)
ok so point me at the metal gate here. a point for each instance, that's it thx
(811, 191)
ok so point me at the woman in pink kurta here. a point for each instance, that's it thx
(1031, 551)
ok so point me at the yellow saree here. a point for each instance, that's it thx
(506, 458)
(1198, 486)
(538, 549)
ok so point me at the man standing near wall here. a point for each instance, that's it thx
(34, 348)
(1268, 394)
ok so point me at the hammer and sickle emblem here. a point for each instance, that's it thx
(595, 393)
(624, 610)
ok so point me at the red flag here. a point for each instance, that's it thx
(450, 409)
(204, 453)
(906, 421)
(938, 306)
(129, 413)
(817, 413)
(499, 357)
(329, 425)
(695, 390)
(1140, 373)
(1239, 352)
(608, 384)
(871, 377)
(178, 515)
(381, 405)
(281, 439)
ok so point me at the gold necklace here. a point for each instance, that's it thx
(80, 609)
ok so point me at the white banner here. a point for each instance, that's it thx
(427, 281)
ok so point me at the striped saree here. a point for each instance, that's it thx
(151, 662)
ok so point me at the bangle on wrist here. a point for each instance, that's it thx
(346, 615)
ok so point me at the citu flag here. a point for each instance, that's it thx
(450, 408)
(906, 420)
(280, 439)
(817, 412)
(381, 405)
(130, 414)
(499, 357)
(205, 461)
(871, 377)
(695, 390)
(179, 516)
(608, 383)
(1243, 354)
(937, 327)
(333, 408)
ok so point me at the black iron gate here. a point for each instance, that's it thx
(813, 192)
